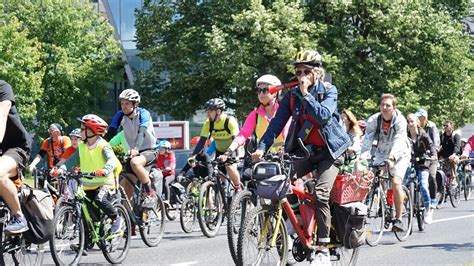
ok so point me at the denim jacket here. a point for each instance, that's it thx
(321, 104)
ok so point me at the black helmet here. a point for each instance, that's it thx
(214, 104)
(308, 57)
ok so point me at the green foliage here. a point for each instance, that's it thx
(20, 65)
(76, 53)
(415, 50)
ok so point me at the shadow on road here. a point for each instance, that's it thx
(445, 246)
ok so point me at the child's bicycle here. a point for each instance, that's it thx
(263, 239)
(80, 223)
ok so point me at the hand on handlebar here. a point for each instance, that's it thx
(133, 153)
(55, 172)
(100, 172)
(257, 155)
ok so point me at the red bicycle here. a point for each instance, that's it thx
(264, 240)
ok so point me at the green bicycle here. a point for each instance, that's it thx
(80, 223)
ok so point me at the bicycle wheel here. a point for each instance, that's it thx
(467, 186)
(241, 204)
(254, 246)
(188, 213)
(441, 193)
(418, 206)
(115, 247)
(343, 256)
(153, 224)
(210, 209)
(407, 215)
(374, 223)
(67, 243)
(455, 192)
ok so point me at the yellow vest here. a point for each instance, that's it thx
(261, 127)
(92, 160)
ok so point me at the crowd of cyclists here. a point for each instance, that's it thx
(308, 111)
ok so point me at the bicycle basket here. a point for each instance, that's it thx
(274, 188)
(265, 170)
(351, 187)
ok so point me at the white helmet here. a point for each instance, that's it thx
(130, 95)
(269, 79)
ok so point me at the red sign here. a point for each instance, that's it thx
(176, 132)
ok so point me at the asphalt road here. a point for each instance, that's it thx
(449, 240)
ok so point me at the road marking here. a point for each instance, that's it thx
(453, 218)
(185, 263)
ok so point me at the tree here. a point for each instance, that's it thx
(410, 49)
(415, 50)
(78, 55)
(201, 51)
(20, 65)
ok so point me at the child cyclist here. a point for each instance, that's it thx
(95, 155)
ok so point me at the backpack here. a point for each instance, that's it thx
(226, 126)
(38, 207)
(349, 220)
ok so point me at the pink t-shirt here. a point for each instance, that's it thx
(469, 145)
(251, 122)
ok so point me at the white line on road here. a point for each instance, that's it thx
(185, 263)
(453, 218)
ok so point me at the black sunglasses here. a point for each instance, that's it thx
(306, 72)
(259, 90)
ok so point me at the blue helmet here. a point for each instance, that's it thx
(164, 144)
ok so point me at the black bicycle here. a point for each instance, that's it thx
(466, 174)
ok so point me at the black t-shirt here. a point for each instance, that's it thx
(15, 133)
(449, 144)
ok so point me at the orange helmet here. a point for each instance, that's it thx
(94, 123)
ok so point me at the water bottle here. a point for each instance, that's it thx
(390, 197)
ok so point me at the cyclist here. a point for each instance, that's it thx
(95, 155)
(422, 146)
(222, 128)
(353, 129)
(75, 137)
(450, 146)
(54, 146)
(258, 120)
(138, 130)
(166, 162)
(15, 147)
(468, 148)
(313, 107)
(200, 162)
(386, 135)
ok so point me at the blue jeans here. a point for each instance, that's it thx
(423, 177)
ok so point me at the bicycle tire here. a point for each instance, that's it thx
(418, 206)
(210, 225)
(158, 215)
(108, 246)
(407, 216)
(455, 193)
(188, 213)
(375, 217)
(347, 257)
(441, 193)
(252, 229)
(171, 211)
(467, 184)
(65, 219)
(240, 204)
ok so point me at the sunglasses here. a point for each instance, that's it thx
(446, 125)
(306, 72)
(261, 90)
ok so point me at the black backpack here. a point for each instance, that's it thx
(349, 220)
(38, 208)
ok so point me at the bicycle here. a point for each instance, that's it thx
(414, 187)
(189, 208)
(215, 197)
(381, 209)
(465, 173)
(59, 188)
(15, 249)
(263, 238)
(150, 221)
(80, 223)
(452, 185)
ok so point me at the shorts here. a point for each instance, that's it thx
(400, 167)
(150, 157)
(20, 156)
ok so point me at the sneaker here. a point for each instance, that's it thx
(17, 224)
(322, 258)
(429, 216)
(149, 201)
(116, 226)
(398, 226)
(75, 248)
